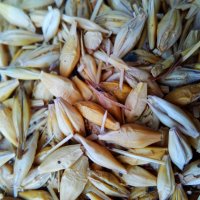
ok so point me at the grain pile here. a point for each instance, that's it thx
(99, 99)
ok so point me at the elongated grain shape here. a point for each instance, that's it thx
(94, 113)
(74, 180)
(16, 16)
(23, 165)
(100, 155)
(132, 136)
(62, 158)
(61, 87)
(6, 125)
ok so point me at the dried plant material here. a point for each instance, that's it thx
(93, 196)
(108, 190)
(138, 192)
(78, 8)
(100, 155)
(16, 16)
(122, 5)
(32, 4)
(68, 118)
(144, 55)
(165, 180)
(20, 73)
(58, 3)
(138, 177)
(113, 88)
(61, 87)
(85, 24)
(172, 116)
(153, 7)
(6, 125)
(108, 183)
(191, 39)
(70, 53)
(179, 193)
(88, 67)
(34, 180)
(35, 194)
(53, 129)
(74, 180)
(195, 142)
(6, 178)
(132, 136)
(136, 102)
(7, 88)
(113, 60)
(141, 156)
(62, 158)
(51, 23)
(79, 77)
(92, 40)
(129, 35)
(37, 17)
(4, 57)
(23, 165)
(21, 115)
(169, 29)
(84, 89)
(184, 95)
(41, 92)
(40, 156)
(109, 103)
(38, 120)
(112, 20)
(149, 119)
(94, 113)
(90, 188)
(179, 149)
(39, 57)
(17, 37)
(5, 156)
(190, 174)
